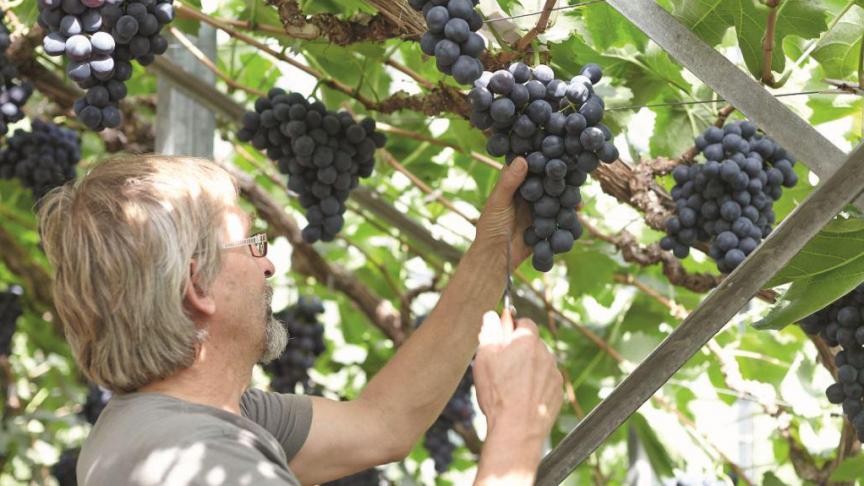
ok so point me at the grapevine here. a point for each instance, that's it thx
(842, 324)
(728, 201)
(305, 343)
(557, 127)
(13, 96)
(10, 311)
(97, 400)
(100, 39)
(452, 37)
(43, 158)
(324, 153)
(64, 469)
(459, 409)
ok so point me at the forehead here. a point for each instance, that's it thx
(237, 220)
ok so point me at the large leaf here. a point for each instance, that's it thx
(849, 470)
(710, 19)
(658, 456)
(588, 270)
(809, 295)
(609, 29)
(647, 74)
(839, 243)
(838, 52)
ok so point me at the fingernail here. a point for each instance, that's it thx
(519, 165)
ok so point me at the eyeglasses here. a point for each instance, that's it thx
(257, 245)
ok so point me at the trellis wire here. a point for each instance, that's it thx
(697, 102)
(835, 92)
(554, 9)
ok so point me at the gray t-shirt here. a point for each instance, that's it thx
(149, 439)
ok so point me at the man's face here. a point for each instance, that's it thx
(250, 296)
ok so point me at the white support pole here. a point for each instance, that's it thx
(183, 125)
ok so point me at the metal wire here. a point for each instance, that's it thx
(696, 102)
(555, 9)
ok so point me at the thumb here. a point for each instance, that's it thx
(492, 332)
(511, 178)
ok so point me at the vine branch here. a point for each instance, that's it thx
(768, 42)
(203, 59)
(542, 25)
(365, 28)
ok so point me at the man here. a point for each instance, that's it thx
(165, 300)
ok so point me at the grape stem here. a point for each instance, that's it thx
(542, 25)
(400, 132)
(391, 160)
(203, 59)
(332, 83)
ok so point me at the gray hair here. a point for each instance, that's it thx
(121, 240)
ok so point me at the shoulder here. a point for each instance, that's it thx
(146, 437)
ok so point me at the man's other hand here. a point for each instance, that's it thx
(518, 383)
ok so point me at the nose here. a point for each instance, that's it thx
(269, 268)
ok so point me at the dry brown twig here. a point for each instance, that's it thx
(542, 25)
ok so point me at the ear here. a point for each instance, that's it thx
(198, 301)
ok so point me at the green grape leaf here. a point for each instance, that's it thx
(658, 456)
(809, 295)
(710, 19)
(609, 29)
(838, 52)
(839, 243)
(849, 470)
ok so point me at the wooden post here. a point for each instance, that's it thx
(183, 125)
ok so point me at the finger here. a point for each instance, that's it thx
(491, 332)
(511, 178)
(527, 325)
(521, 251)
(507, 325)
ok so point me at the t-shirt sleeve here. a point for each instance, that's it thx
(288, 417)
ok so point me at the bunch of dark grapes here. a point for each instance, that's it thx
(43, 158)
(557, 127)
(305, 343)
(64, 469)
(12, 95)
(101, 38)
(842, 324)
(324, 153)
(452, 37)
(97, 400)
(10, 311)
(437, 442)
(369, 477)
(729, 199)
(459, 409)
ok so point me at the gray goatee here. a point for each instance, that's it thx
(275, 334)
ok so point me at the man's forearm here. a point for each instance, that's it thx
(414, 386)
